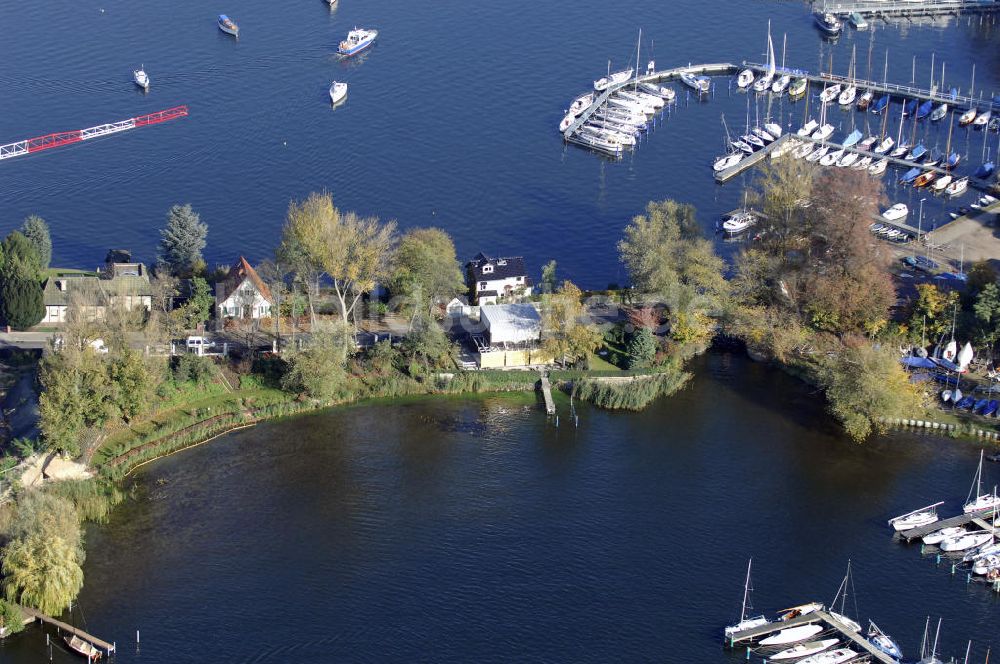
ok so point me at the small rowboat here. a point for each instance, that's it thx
(88, 650)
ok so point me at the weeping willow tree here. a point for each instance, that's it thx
(41, 562)
(42, 572)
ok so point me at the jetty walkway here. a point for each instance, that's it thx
(976, 518)
(853, 638)
(875, 9)
(32, 614)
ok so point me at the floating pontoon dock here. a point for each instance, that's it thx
(874, 9)
(976, 518)
(853, 638)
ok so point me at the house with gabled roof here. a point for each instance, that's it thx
(492, 280)
(243, 294)
(120, 282)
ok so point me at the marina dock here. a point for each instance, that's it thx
(751, 160)
(854, 639)
(875, 9)
(975, 518)
(33, 614)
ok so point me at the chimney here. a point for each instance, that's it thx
(61, 284)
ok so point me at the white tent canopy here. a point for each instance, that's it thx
(511, 323)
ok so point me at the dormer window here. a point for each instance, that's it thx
(501, 262)
(488, 269)
(520, 278)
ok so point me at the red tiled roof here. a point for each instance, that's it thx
(238, 273)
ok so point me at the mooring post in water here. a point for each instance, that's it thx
(557, 421)
(953, 569)
(938, 561)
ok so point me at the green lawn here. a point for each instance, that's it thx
(598, 363)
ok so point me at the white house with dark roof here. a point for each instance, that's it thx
(243, 294)
(492, 280)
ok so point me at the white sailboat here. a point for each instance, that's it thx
(746, 623)
(842, 596)
(792, 635)
(981, 501)
(763, 84)
(964, 356)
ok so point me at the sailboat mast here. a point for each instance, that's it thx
(637, 44)
(746, 592)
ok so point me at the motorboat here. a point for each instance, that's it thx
(338, 91)
(648, 101)
(896, 212)
(228, 25)
(612, 79)
(986, 564)
(358, 40)
(730, 160)
(816, 155)
(798, 88)
(792, 635)
(666, 94)
(745, 79)
(800, 610)
(831, 158)
(967, 118)
(985, 171)
(141, 78)
(924, 109)
(858, 21)
(831, 657)
(581, 103)
(924, 179)
(598, 144)
(773, 129)
(966, 541)
(880, 104)
(879, 167)
(828, 23)
(746, 623)
(939, 536)
(958, 187)
(823, 132)
(609, 134)
(630, 106)
(982, 500)
(738, 223)
(830, 93)
(779, 86)
(85, 648)
(848, 95)
(700, 84)
(865, 100)
(982, 119)
(885, 145)
(883, 641)
(803, 650)
(939, 113)
(852, 138)
(808, 128)
(942, 182)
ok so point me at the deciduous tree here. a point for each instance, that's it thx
(425, 271)
(353, 251)
(564, 334)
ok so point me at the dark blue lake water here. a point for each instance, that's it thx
(472, 530)
(451, 118)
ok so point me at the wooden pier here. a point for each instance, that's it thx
(34, 614)
(885, 10)
(550, 405)
(843, 631)
(975, 518)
